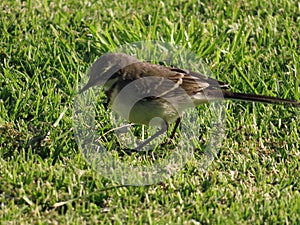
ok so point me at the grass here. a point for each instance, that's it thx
(45, 50)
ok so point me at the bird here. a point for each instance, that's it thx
(153, 94)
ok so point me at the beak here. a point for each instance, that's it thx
(97, 77)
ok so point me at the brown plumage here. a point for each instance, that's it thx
(140, 91)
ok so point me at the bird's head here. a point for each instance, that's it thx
(106, 66)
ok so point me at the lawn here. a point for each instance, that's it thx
(46, 47)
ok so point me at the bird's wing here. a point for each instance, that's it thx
(195, 82)
(169, 82)
(201, 88)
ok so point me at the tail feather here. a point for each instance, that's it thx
(259, 98)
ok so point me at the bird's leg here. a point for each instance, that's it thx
(163, 129)
(178, 120)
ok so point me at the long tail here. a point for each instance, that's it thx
(259, 98)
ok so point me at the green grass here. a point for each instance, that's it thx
(45, 50)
